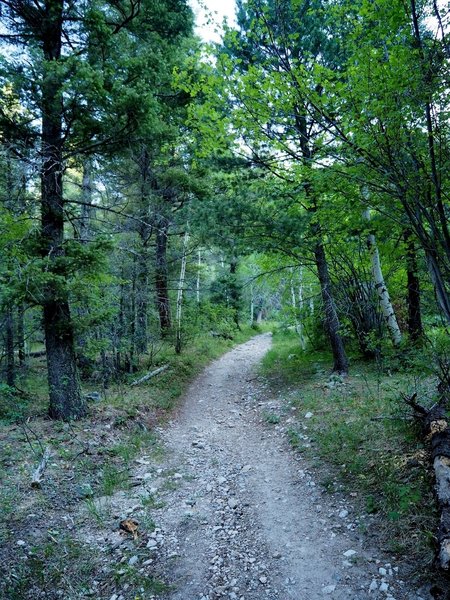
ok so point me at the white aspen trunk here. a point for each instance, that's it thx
(180, 292)
(199, 264)
(311, 299)
(252, 304)
(381, 288)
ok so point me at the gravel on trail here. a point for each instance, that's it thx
(244, 518)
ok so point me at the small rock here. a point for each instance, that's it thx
(263, 579)
(84, 490)
(373, 586)
(349, 553)
(384, 586)
(329, 589)
(309, 415)
(382, 571)
(21, 543)
(232, 503)
(133, 560)
(152, 543)
(343, 514)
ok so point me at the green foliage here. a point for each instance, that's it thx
(13, 404)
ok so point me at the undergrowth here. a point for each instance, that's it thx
(361, 428)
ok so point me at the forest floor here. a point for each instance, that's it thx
(216, 502)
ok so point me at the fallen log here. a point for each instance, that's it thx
(38, 474)
(150, 375)
(37, 353)
(436, 431)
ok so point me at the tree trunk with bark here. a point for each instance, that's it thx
(87, 210)
(21, 334)
(381, 288)
(145, 231)
(415, 328)
(331, 319)
(199, 266)
(234, 295)
(178, 341)
(9, 348)
(66, 401)
(161, 276)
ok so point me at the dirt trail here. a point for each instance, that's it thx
(244, 518)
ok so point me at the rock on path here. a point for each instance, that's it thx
(244, 519)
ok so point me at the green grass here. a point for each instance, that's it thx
(49, 566)
(361, 429)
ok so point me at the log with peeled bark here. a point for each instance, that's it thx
(436, 431)
(150, 375)
(38, 474)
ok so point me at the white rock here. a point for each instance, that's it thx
(349, 553)
(309, 415)
(343, 514)
(373, 586)
(133, 560)
(329, 589)
(384, 586)
(232, 503)
(263, 579)
(347, 563)
(152, 543)
(21, 543)
(382, 571)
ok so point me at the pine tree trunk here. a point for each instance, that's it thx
(332, 324)
(143, 264)
(294, 304)
(142, 278)
(66, 401)
(300, 306)
(9, 347)
(21, 334)
(178, 340)
(331, 319)
(381, 288)
(199, 266)
(415, 328)
(161, 277)
(234, 293)
(87, 210)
